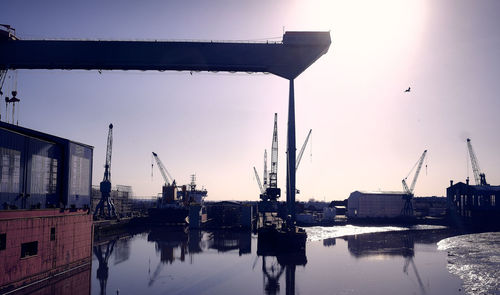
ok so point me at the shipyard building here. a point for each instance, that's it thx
(379, 204)
(45, 225)
(473, 204)
(121, 196)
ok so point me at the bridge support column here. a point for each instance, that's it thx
(290, 154)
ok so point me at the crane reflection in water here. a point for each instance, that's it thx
(102, 252)
(400, 243)
(175, 244)
(275, 262)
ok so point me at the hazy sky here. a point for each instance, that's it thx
(367, 133)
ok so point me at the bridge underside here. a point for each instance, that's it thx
(286, 59)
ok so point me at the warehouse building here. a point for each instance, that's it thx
(381, 204)
(477, 204)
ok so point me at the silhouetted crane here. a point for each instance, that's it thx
(105, 186)
(261, 188)
(408, 207)
(265, 176)
(272, 191)
(299, 157)
(479, 177)
(164, 172)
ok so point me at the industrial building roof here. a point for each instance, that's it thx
(479, 187)
(381, 192)
(38, 134)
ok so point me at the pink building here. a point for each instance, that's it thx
(45, 225)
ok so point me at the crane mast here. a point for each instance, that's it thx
(299, 157)
(273, 176)
(408, 207)
(109, 148)
(272, 190)
(479, 177)
(265, 170)
(105, 185)
(164, 172)
(409, 190)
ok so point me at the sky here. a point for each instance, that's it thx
(367, 132)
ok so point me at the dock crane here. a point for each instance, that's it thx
(266, 178)
(169, 189)
(105, 186)
(299, 157)
(479, 177)
(408, 207)
(164, 172)
(272, 191)
(262, 190)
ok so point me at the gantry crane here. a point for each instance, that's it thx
(408, 207)
(105, 186)
(479, 177)
(286, 59)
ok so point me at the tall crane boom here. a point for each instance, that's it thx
(265, 170)
(479, 177)
(419, 163)
(273, 176)
(258, 181)
(164, 172)
(109, 148)
(299, 157)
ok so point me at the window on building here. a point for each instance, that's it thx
(3, 241)
(53, 234)
(10, 170)
(29, 249)
(43, 175)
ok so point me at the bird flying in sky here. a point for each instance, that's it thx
(408, 90)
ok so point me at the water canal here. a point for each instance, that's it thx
(338, 260)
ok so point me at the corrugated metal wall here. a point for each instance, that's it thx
(40, 171)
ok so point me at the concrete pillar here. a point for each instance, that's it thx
(290, 154)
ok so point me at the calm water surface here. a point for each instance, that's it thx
(168, 261)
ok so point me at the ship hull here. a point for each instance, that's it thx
(171, 215)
